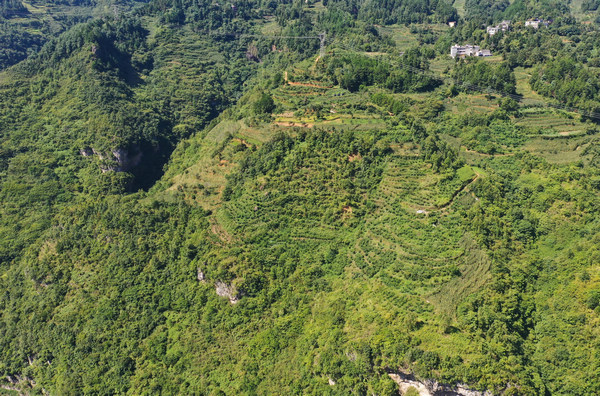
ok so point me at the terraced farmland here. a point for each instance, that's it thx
(549, 122)
(410, 251)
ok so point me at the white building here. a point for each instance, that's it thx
(536, 22)
(502, 26)
(463, 51)
(491, 30)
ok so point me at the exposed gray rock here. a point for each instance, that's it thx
(405, 384)
(127, 160)
(225, 290)
(431, 387)
(98, 153)
(118, 160)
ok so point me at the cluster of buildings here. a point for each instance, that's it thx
(463, 51)
(501, 27)
(505, 25)
(536, 22)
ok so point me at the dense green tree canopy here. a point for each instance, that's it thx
(194, 199)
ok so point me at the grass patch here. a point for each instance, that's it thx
(401, 35)
(550, 122)
(460, 7)
(558, 151)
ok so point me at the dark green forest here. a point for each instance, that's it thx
(299, 197)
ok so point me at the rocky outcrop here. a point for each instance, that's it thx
(201, 276)
(432, 388)
(19, 383)
(405, 384)
(119, 160)
(222, 289)
(229, 291)
(127, 160)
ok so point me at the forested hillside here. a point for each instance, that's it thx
(299, 197)
(26, 25)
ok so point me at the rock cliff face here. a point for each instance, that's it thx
(118, 160)
(432, 388)
(126, 159)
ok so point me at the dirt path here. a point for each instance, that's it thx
(457, 193)
(467, 150)
(299, 84)
(294, 124)
(428, 209)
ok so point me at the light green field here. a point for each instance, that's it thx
(548, 122)
(493, 58)
(558, 151)
(400, 34)
(35, 9)
(584, 17)
(530, 97)
(471, 102)
(270, 27)
(441, 65)
(460, 7)
(314, 103)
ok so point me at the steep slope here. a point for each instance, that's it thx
(191, 206)
(27, 25)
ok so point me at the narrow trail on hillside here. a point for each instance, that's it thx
(311, 85)
(299, 84)
(457, 193)
(468, 150)
(428, 209)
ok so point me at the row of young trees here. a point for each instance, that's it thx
(353, 71)
(398, 11)
(106, 292)
(483, 75)
(569, 82)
